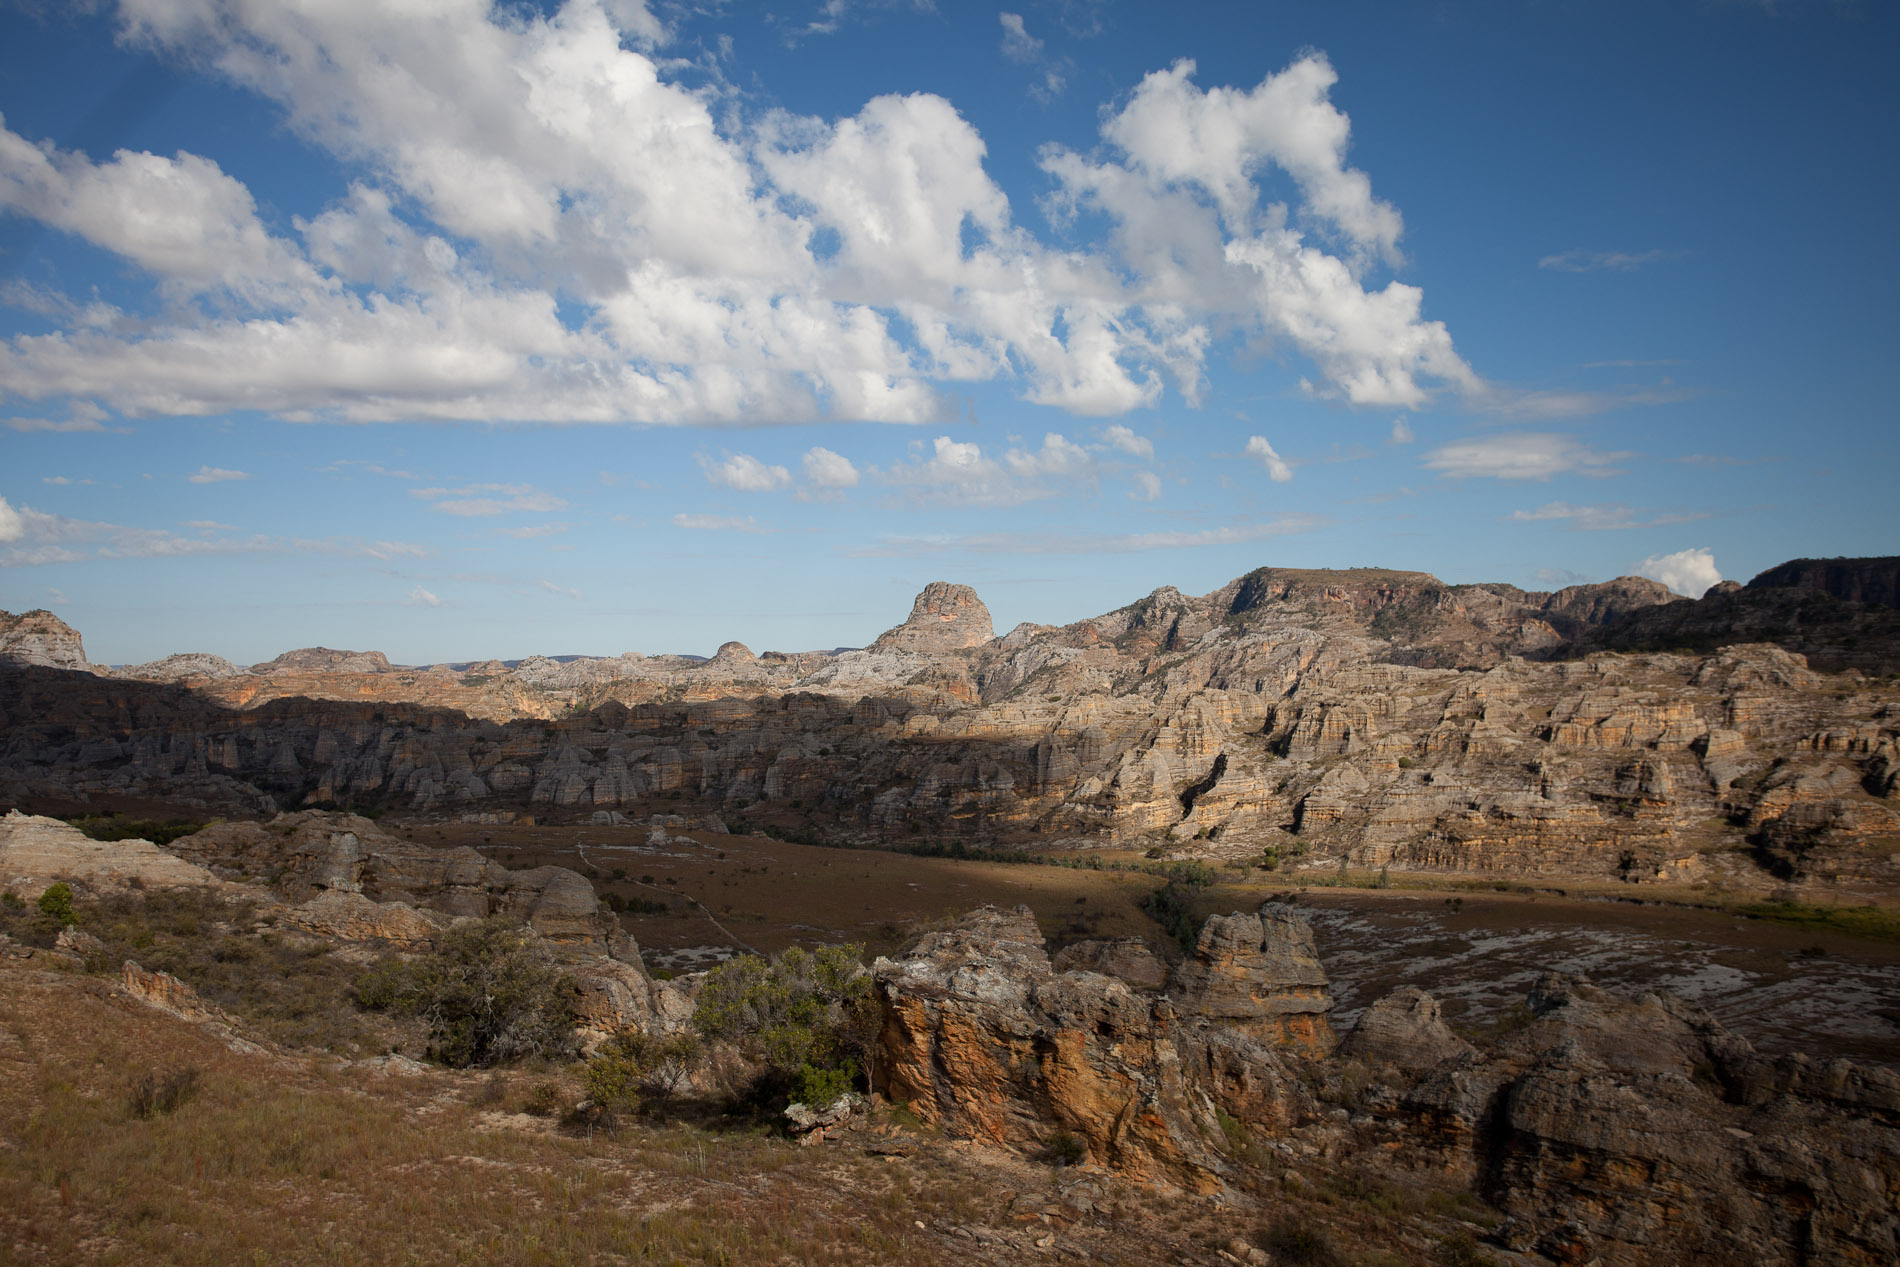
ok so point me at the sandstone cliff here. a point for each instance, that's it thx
(1295, 712)
(41, 638)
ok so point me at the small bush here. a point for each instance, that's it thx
(13, 902)
(1300, 1243)
(491, 995)
(1067, 1149)
(635, 1066)
(157, 1094)
(1461, 1249)
(57, 903)
(544, 1100)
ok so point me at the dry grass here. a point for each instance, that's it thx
(281, 1160)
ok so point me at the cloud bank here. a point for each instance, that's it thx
(544, 226)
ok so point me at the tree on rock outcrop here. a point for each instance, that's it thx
(490, 995)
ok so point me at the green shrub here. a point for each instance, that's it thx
(490, 995)
(808, 1016)
(819, 1087)
(57, 902)
(1172, 905)
(634, 1066)
(13, 902)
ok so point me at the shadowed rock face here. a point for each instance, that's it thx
(945, 617)
(312, 854)
(1640, 1130)
(1875, 581)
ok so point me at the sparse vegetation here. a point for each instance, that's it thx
(1299, 1242)
(1172, 905)
(1855, 921)
(636, 1067)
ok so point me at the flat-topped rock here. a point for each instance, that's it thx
(325, 660)
(1260, 973)
(36, 851)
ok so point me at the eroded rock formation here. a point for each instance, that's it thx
(986, 1039)
(1291, 711)
(316, 855)
(1605, 1128)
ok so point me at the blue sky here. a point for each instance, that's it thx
(474, 330)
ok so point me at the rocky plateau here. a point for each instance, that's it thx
(1378, 719)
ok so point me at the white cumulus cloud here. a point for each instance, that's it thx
(1689, 572)
(420, 597)
(12, 526)
(746, 474)
(543, 224)
(1401, 432)
(1277, 469)
(826, 469)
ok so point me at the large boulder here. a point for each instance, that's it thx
(1405, 1031)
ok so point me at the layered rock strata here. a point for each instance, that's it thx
(984, 1038)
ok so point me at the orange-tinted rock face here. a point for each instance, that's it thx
(983, 1038)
